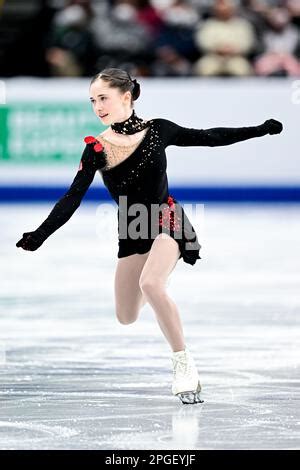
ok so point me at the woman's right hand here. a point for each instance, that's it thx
(30, 241)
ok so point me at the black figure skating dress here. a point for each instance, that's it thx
(141, 178)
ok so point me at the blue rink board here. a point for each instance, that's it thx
(188, 193)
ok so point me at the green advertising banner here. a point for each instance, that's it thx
(48, 133)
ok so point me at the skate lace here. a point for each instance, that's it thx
(182, 367)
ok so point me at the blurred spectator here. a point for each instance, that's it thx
(71, 50)
(152, 37)
(178, 13)
(253, 11)
(149, 17)
(281, 41)
(175, 49)
(122, 34)
(170, 63)
(293, 7)
(225, 40)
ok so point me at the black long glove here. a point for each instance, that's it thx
(92, 159)
(272, 126)
(31, 241)
(215, 136)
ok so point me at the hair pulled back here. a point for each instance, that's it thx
(119, 78)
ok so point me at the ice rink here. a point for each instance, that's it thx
(72, 377)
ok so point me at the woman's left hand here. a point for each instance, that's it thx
(272, 126)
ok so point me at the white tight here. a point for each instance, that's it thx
(143, 278)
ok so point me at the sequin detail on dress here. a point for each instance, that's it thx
(116, 154)
(131, 125)
(169, 218)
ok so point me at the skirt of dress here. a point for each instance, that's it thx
(172, 221)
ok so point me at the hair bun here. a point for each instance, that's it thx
(136, 89)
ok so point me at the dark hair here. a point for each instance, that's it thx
(119, 78)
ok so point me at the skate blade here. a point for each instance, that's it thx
(190, 397)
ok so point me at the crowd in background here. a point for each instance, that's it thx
(173, 37)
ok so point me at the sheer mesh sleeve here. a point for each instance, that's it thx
(90, 162)
(216, 136)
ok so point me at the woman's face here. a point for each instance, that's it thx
(109, 104)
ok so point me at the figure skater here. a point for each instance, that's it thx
(130, 156)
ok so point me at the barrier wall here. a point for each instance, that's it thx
(43, 123)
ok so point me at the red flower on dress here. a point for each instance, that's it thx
(98, 147)
(89, 139)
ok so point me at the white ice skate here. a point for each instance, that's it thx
(186, 383)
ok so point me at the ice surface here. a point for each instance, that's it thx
(72, 377)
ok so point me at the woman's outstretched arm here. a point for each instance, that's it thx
(66, 206)
(216, 136)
